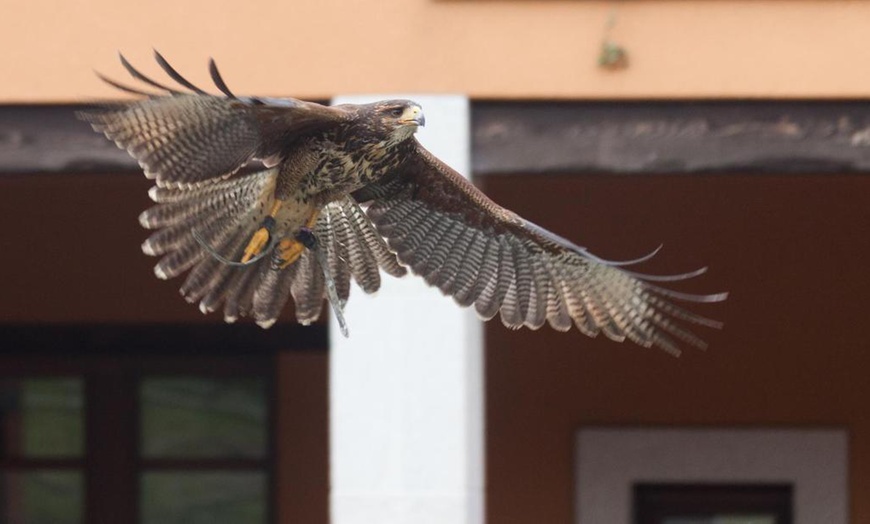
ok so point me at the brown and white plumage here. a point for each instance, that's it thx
(384, 203)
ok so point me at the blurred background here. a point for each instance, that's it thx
(734, 132)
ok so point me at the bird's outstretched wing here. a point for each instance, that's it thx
(457, 239)
(182, 138)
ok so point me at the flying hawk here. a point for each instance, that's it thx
(264, 198)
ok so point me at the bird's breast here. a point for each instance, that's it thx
(339, 170)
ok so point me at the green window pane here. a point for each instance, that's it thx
(42, 417)
(42, 497)
(203, 418)
(203, 498)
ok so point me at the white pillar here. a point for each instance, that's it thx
(406, 389)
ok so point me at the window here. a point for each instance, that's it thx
(722, 471)
(712, 504)
(138, 438)
(180, 441)
(41, 420)
(203, 449)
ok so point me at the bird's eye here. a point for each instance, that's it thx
(397, 112)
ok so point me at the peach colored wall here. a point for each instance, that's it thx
(529, 49)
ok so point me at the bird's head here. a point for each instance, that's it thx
(397, 119)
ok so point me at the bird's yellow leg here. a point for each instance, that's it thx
(260, 239)
(289, 250)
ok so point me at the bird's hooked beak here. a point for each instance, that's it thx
(413, 116)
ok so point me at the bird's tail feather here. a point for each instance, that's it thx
(224, 215)
(352, 249)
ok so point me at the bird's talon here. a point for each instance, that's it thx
(289, 251)
(258, 241)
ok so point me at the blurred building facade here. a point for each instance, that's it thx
(733, 132)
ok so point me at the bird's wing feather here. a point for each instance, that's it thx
(183, 139)
(457, 239)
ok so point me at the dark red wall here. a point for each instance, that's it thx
(792, 250)
(794, 253)
(69, 253)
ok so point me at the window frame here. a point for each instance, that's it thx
(610, 460)
(111, 372)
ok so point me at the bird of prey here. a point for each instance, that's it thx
(266, 198)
